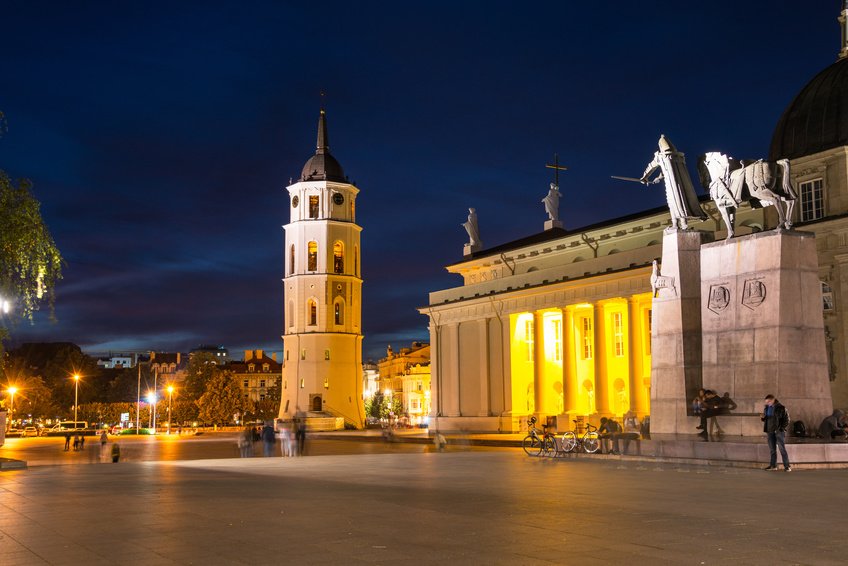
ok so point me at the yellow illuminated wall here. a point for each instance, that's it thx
(616, 356)
(521, 363)
(553, 355)
(584, 350)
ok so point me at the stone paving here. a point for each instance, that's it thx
(472, 507)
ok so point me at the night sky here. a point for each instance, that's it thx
(160, 137)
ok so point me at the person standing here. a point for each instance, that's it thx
(775, 419)
(104, 439)
(67, 441)
(268, 439)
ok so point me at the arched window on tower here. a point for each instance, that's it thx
(338, 257)
(312, 257)
(291, 260)
(312, 309)
(313, 206)
(338, 310)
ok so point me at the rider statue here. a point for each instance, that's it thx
(679, 192)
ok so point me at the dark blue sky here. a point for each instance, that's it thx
(160, 137)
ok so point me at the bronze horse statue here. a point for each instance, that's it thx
(759, 183)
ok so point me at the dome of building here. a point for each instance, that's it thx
(322, 166)
(817, 119)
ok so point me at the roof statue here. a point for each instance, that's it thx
(551, 202)
(473, 230)
(679, 192)
(760, 183)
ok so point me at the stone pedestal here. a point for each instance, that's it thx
(763, 331)
(676, 333)
(468, 249)
(550, 224)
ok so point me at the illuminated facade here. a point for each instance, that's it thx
(556, 324)
(322, 356)
(405, 375)
(258, 375)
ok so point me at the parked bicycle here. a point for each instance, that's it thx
(536, 442)
(589, 441)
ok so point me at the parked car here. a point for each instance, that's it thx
(29, 431)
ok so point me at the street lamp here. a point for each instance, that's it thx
(170, 399)
(151, 399)
(11, 391)
(76, 398)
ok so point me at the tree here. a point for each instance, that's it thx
(222, 399)
(202, 368)
(30, 262)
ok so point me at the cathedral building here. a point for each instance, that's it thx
(559, 323)
(322, 345)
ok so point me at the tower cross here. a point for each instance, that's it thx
(557, 168)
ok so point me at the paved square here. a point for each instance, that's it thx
(419, 508)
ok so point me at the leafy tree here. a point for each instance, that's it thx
(183, 411)
(124, 386)
(265, 409)
(202, 368)
(222, 399)
(30, 262)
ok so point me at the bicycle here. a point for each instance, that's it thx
(534, 445)
(589, 441)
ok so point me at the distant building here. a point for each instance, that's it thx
(219, 352)
(258, 375)
(370, 379)
(405, 375)
(168, 367)
(118, 360)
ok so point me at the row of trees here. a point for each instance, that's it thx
(209, 393)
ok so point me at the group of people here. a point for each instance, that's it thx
(708, 405)
(292, 438)
(611, 432)
(79, 442)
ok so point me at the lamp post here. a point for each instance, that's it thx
(170, 394)
(76, 398)
(11, 391)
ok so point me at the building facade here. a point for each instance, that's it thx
(559, 323)
(258, 375)
(405, 375)
(322, 345)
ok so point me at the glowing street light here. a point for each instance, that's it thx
(11, 391)
(170, 394)
(151, 400)
(76, 398)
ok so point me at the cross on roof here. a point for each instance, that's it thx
(557, 168)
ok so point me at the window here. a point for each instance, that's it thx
(303, 354)
(312, 257)
(528, 338)
(313, 206)
(246, 383)
(261, 396)
(302, 383)
(339, 312)
(291, 260)
(556, 326)
(812, 201)
(617, 334)
(420, 385)
(261, 383)
(312, 309)
(827, 297)
(587, 338)
(326, 354)
(338, 257)
(265, 367)
(251, 368)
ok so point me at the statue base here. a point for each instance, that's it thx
(469, 249)
(549, 224)
(763, 330)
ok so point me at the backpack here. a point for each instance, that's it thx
(799, 429)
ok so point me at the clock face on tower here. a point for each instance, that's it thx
(295, 201)
(338, 198)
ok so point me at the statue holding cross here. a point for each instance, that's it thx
(551, 201)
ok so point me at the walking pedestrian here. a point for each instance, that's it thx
(116, 452)
(76, 442)
(268, 439)
(775, 419)
(104, 440)
(300, 435)
(245, 442)
(82, 441)
(67, 441)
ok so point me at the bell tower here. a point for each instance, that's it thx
(322, 345)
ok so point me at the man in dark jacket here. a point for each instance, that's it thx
(775, 421)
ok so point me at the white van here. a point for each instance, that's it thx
(69, 425)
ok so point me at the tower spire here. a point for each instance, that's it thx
(843, 30)
(323, 144)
